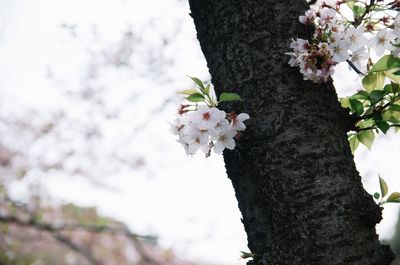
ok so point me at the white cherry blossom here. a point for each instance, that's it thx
(237, 121)
(339, 49)
(308, 18)
(327, 16)
(216, 131)
(196, 139)
(201, 125)
(225, 140)
(221, 126)
(338, 37)
(356, 37)
(359, 58)
(381, 42)
(331, 3)
(175, 126)
(293, 59)
(205, 117)
(300, 45)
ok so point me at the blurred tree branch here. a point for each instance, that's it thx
(21, 215)
(32, 222)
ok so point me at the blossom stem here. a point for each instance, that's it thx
(354, 67)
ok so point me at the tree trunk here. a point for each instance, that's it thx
(299, 192)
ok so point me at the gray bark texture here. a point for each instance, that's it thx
(299, 192)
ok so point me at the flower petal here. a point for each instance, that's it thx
(219, 147)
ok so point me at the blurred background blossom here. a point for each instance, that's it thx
(88, 171)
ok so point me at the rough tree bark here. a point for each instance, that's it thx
(294, 177)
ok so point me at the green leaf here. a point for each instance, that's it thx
(387, 88)
(345, 102)
(385, 63)
(387, 115)
(395, 87)
(197, 82)
(392, 74)
(358, 10)
(383, 126)
(356, 106)
(196, 97)
(376, 116)
(361, 95)
(391, 116)
(229, 97)
(365, 123)
(246, 255)
(351, 4)
(188, 91)
(384, 186)
(394, 197)
(366, 138)
(376, 95)
(354, 142)
(207, 90)
(394, 107)
(377, 195)
(369, 82)
(373, 81)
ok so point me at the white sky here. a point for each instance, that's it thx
(188, 202)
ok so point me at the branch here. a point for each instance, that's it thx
(87, 254)
(90, 228)
(56, 230)
(354, 67)
(374, 127)
(144, 255)
(378, 110)
(365, 129)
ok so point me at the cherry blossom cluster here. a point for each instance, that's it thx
(200, 125)
(352, 31)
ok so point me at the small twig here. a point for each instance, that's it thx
(374, 127)
(354, 67)
(365, 129)
(377, 110)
